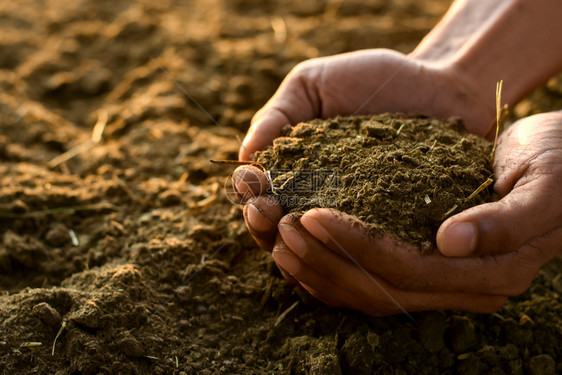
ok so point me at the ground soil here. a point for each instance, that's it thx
(402, 174)
(129, 258)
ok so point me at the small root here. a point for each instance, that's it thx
(62, 327)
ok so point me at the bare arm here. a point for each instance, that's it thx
(483, 41)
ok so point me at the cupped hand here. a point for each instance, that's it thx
(487, 253)
(366, 82)
(369, 81)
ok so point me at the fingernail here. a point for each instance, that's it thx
(315, 228)
(249, 182)
(242, 185)
(459, 239)
(286, 260)
(257, 219)
(293, 239)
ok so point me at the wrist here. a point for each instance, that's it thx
(449, 92)
(480, 42)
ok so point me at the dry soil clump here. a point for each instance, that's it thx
(401, 174)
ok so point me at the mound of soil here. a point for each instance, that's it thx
(403, 174)
(129, 258)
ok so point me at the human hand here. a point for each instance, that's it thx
(366, 82)
(338, 85)
(361, 82)
(331, 255)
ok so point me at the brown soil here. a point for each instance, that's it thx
(402, 174)
(131, 257)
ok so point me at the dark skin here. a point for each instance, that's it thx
(487, 253)
(319, 252)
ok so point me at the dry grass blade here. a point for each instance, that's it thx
(97, 133)
(285, 313)
(62, 327)
(331, 10)
(279, 29)
(451, 210)
(30, 344)
(484, 185)
(498, 118)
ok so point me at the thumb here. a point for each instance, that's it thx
(295, 101)
(503, 226)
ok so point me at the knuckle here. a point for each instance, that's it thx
(303, 67)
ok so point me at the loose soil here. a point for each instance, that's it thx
(129, 258)
(402, 174)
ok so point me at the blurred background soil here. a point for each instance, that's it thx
(129, 258)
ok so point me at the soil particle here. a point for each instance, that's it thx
(170, 198)
(469, 365)
(23, 251)
(184, 293)
(130, 346)
(311, 356)
(47, 314)
(358, 353)
(431, 331)
(88, 316)
(402, 174)
(58, 235)
(542, 364)
(462, 334)
(557, 283)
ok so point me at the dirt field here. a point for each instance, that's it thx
(128, 258)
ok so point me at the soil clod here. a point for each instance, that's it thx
(402, 174)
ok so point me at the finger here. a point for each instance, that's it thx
(529, 175)
(292, 265)
(286, 275)
(527, 211)
(404, 267)
(248, 182)
(295, 101)
(262, 215)
(339, 282)
(262, 132)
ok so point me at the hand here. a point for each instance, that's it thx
(331, 255)
(363, 82)
(337, 85)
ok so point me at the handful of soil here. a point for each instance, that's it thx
(402, 174)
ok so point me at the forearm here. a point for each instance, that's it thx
(483, 41)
